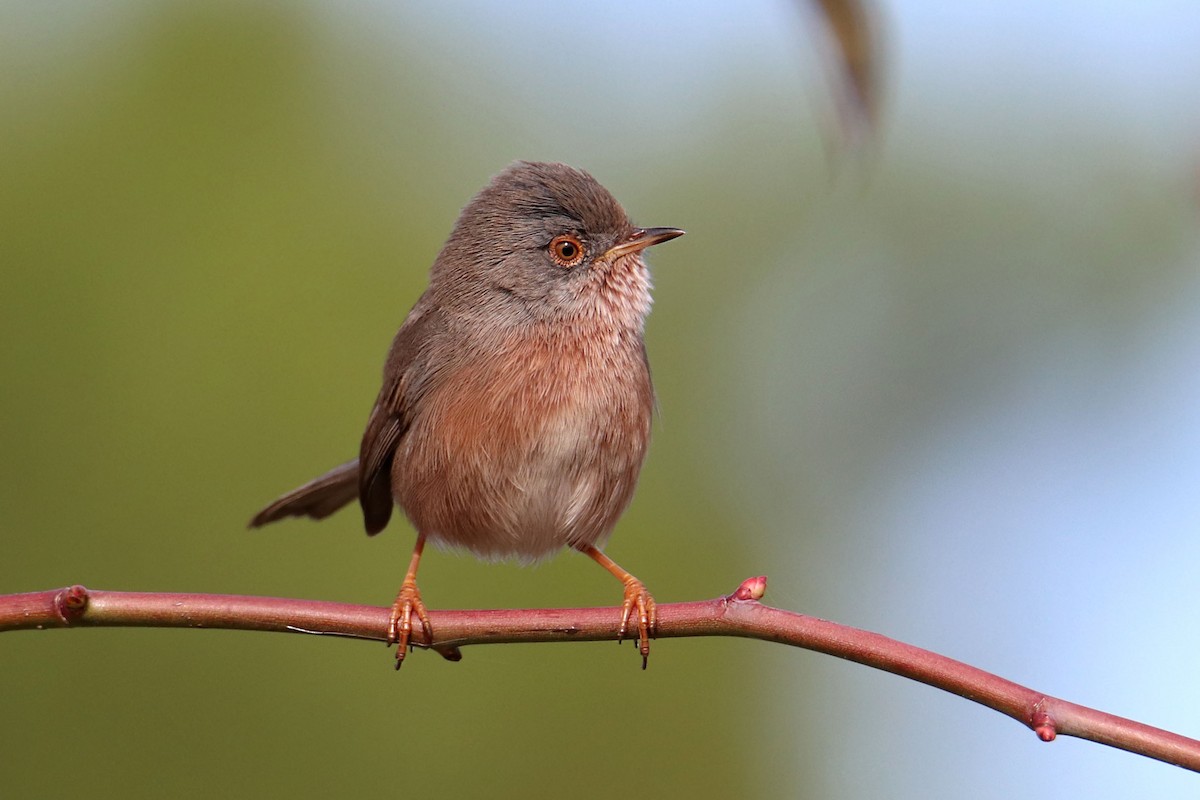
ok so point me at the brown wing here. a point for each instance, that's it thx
(403, 382)
(386, 425)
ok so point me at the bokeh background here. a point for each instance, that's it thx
(948, 390)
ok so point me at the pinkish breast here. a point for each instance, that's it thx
(532, 449)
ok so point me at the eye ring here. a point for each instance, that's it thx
(566, 250)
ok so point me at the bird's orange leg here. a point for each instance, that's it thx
(636, 597)
(408, 602)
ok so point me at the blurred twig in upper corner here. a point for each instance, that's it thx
(855, 74)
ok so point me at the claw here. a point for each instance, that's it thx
(637, 597)
(399, 630)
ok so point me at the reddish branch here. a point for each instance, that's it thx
(739, 614)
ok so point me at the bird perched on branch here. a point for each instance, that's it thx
(516, 401)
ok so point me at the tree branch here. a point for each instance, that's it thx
(738, 614)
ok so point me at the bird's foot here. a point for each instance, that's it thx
(638, 606)
(399, 630)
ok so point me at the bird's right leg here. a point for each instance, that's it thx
(408, 602)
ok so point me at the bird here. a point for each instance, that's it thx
(516, 403)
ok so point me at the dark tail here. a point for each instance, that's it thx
(318, 498)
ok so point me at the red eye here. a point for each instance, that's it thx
(566, 250)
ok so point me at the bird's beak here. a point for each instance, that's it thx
(640, 239)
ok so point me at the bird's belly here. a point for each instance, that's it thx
(523, 473)
(546, 493)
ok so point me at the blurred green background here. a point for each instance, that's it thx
(950, 393)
